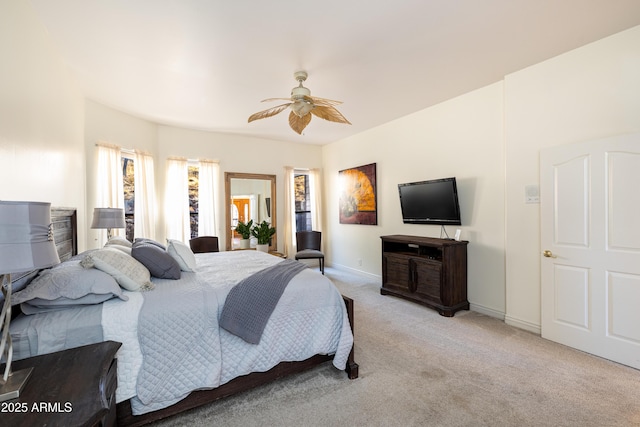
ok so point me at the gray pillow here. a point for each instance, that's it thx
(68, 285)
(158, 261)
(150, 241)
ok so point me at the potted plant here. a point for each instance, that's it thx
(244, 230)
(263, 232)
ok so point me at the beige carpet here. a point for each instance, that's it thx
(418, 368)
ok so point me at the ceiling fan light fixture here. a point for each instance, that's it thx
(301, 108)
(301, 104)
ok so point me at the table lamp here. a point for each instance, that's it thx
(108, 218)
(26, 243)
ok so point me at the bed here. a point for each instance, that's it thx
(191, 339)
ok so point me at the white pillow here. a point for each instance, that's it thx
(119, 243)
(128, 272)
(182, 254)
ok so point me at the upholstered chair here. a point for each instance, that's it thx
(204, 244)
(308, 246)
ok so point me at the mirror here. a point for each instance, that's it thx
(249, 196)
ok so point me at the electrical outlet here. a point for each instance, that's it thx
(360, 262)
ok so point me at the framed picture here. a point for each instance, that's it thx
(358, 200)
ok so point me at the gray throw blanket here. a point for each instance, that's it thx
(251, 302)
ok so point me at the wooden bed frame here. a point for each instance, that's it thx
(65, 235)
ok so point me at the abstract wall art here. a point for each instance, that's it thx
(358, 201)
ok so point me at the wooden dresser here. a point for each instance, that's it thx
(426, 270)
(73, 387)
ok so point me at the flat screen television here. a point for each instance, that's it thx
(430, 202)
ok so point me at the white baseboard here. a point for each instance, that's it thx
(486, 311)
(523, 324)
(369, 276)
(518, 323)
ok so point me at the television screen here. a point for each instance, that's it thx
(430, 202)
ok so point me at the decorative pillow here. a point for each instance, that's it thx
(151, 241)
(19, 281)
(125, 250)
(68, 285)
(119, 243)
(181, 253)
(158, 261)
(128, 272)
(36, 305)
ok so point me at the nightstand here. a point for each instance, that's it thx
(74, 387)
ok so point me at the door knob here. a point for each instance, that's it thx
(548, 254)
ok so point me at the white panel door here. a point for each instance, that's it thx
(590, 238)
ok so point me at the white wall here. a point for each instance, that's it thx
(41, 117)
(589, 93)
(462, 137)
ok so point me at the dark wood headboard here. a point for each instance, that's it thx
(65, 231)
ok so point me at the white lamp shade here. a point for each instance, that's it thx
(26, 237)
(108, 218)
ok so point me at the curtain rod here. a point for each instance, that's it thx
(108, 145)
(205, 161)
(122, 149)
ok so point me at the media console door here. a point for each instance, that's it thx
(426, 270)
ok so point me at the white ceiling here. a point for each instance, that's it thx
(207, 64)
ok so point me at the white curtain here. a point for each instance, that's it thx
(145, 201)
(289, 229)
(177, 200)
(110, 189)
(315, 188)
(209, 175)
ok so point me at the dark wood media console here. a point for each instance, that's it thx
(426, 270)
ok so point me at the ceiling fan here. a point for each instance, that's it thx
(302, 105)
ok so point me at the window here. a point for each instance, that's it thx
(129, 195)
(125, 179)
(193, 199)
(302, 198)
(190, 198)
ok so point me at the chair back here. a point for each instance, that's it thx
(204, 244)
(308, 240)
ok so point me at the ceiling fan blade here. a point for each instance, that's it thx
(275, 99)
(329, 113)
(268, 113)
(324, 101)
(299, 123)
